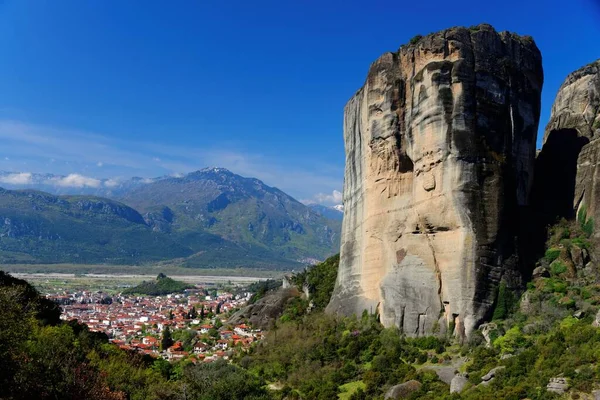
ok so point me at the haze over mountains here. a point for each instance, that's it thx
(208, 218)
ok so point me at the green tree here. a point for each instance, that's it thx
(504, 302)
(167, 339)
(222, 381)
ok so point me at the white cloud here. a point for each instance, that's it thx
(335, 198)
(22, 178)
(75, 151)
(110, 183)
(76, 180)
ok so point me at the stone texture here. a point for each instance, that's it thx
(458, 383)
(558, 385)
(567, 167)
(266, 310)
(491, 375)
(489, 331)
(440, 146)
(525, 305)
(596, 322)
(579, 256)
(403, 390)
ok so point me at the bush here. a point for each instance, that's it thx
(588, 227)
(512, 340)
(586, 224)
(553, 285)
(551, 254)
(558, 267)
(428, 343)
(505, 302)
(415, 39)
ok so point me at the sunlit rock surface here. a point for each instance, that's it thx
(440, 146)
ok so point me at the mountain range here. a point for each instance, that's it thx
(208, 218)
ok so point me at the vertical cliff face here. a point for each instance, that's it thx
(440, 146)
(567, 169)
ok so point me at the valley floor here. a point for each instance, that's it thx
(144, 271)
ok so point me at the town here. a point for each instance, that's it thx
(192, 325)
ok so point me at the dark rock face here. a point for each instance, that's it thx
(265, 311)
(440, 146)
(567, 167)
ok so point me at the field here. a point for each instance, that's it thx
(55, 278)
(137, 270)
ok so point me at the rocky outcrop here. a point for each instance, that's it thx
(487, 378)
(440, 146)
(266, 310)
(403, 390)
(458, 383)
(567, 168)
(558, 385)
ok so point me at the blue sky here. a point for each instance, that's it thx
(147, 88)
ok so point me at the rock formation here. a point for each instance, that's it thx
(440, 146)
(266, 310)
(567, 167)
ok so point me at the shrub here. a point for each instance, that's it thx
(553, 285)
(581, 242)
(415, 39)
(586, 224)
(512, 340)
(568, 322)
(428, 343)
(567, 302)
(558, 267)
(504, 302)
(551, 254)
(588, 227)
